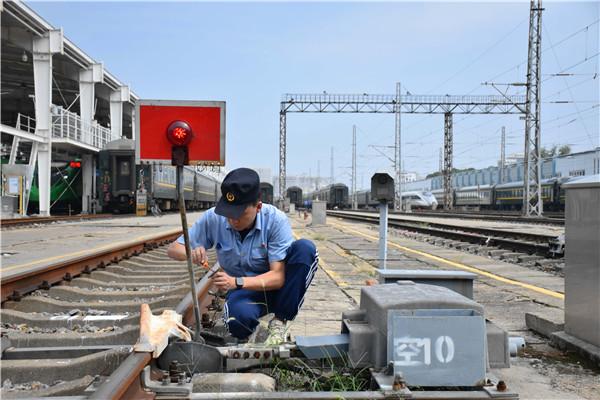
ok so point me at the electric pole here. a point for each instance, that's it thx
(503, 155)
(532, 193)
(332, 177)
(318, 173)
(354, 205)
(398, 150)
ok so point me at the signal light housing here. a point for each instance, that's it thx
(179, 133)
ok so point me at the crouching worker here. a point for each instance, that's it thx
(264, 269)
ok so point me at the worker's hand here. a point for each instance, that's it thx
(199, 256)
(223, 281)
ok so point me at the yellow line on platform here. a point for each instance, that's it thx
(459, 265)
(331, 273)
(86, 251)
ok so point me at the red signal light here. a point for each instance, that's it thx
(75, 164)
(179, 133)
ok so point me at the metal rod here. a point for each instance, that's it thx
(188, 251)
(299, 395)
(383, 224)
(119, 381)
(202, 287)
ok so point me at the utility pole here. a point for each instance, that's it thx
(332, 177)
(397, 149)
(318, 173)
(448, 158)
(354, 205)
(503, 155)
(532, 193)
(441, 164)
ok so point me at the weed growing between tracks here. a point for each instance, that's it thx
(328, 375)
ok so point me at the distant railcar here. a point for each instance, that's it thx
(509, 196)
(364, 200)
(481, 196)
(294, 193)
(419, 200)
(335, 196)
(266, 192)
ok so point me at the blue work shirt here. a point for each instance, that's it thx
(267, 241)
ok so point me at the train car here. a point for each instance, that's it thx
(65, 188)
(294, 193)
(266, 192)
(119, 178)
(336, 196)
(438, 194)
(481, 196)
(419, 200)
(509, 196)
(364, 200)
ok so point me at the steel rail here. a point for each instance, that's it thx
(15, 286)
(14, 222)
(124, 377)
(517, 241)
(118, 383)
(558, 219)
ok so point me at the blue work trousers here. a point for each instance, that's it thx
(244, 307)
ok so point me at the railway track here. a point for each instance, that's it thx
(510, 245)
(79, 319)
(20, 222)
(550, 218)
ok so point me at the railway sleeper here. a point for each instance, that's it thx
(37, 304)
(126, 335)
(173, 272)
(76, 294)
(137, 262)
(49, 371)
(88, 283)
(512, 257)
(70, 319)
(63, 388)
(106, 276)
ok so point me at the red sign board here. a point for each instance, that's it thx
(205, 118)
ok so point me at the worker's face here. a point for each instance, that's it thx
(245, 220)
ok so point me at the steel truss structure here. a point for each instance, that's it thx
(395, 104)
(532, 195)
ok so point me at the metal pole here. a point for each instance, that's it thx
(354, 205)
(532, 195)
(397, 148)
(188, 250)
(282, 154)
(332, 172)
(503, 155)
(448, 145)
(383, 223)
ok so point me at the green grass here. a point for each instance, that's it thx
(327, 376)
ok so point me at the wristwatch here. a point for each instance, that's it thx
(239, 282)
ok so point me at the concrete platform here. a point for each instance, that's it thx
(507, 291)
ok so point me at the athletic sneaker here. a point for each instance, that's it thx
(278, 332)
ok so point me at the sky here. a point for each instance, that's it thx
(251, 53)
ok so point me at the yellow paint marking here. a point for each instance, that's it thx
(459, 265)
(331, 273)
(87, 251)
